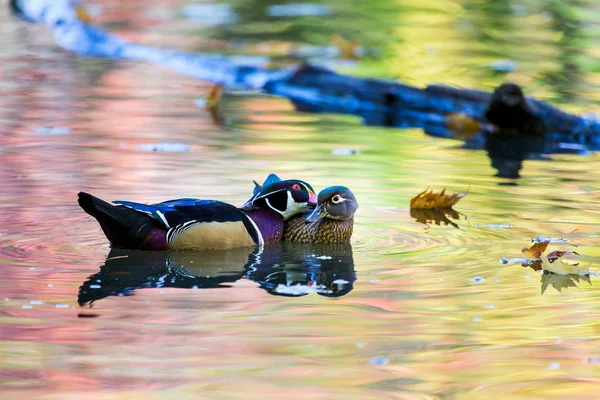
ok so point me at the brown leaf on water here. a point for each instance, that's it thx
(556, 254)
(535, 251)
(346, 47)
(214, 97)
(429, 199)
(535, 258)
(461, 125)
(565, 266)
(535, 265)
(213, 103)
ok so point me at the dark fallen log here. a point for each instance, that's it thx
(315, 89)
(393, 104)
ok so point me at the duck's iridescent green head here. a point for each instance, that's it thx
(288, 197)
(335, 202)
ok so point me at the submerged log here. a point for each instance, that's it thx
(316, 89)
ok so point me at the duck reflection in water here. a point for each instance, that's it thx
(283, 269)
(298, 269)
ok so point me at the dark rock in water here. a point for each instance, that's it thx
(510, 110)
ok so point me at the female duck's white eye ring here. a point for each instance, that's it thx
(336, 199)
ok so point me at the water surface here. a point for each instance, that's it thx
(428, 311)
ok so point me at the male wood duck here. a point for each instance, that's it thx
(331, 222)
(193, 224)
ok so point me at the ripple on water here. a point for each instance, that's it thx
(40, 252)
(394, 232)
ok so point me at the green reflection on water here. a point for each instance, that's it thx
(551, 43)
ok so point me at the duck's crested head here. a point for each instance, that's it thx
(335, 202)
(288, 197)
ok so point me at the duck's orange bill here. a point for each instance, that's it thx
(312, 198)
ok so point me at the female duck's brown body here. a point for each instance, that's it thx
(331, 222)
(321, 231)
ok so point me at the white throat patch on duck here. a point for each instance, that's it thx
(283, 203)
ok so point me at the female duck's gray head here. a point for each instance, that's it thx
(334, 202)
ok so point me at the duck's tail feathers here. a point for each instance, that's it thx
(124, 227)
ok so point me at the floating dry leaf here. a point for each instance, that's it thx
(213, 100)
(461, 125)
(429, 199)
(535, 251)
(535, 265)
(213, 103)
(564, 267)
(347, 48)
(556, 254)
(534, 258)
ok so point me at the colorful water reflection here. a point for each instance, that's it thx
(432, 312)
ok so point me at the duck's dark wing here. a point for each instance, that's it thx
(172, 213)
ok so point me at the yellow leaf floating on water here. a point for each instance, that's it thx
(429, 199)
(562, 267)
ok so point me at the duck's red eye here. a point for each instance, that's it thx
(295, 186)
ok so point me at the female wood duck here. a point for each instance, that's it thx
(331, 222)
(193, 224)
